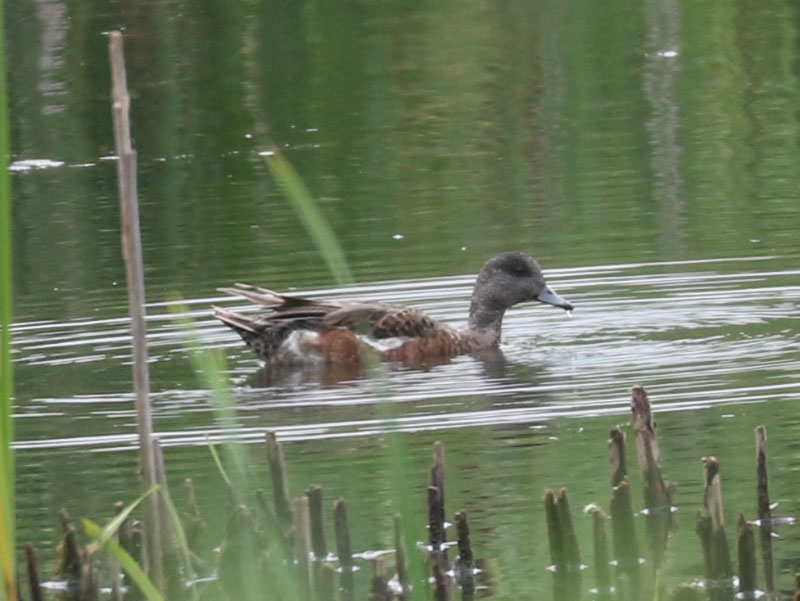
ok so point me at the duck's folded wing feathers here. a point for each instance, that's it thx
(383, 321)
(285, 306)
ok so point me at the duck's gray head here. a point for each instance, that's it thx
(505, 281)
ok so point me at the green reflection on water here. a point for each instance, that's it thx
(569, 132)
(432, 136)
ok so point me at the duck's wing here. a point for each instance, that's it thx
(283, 306)
(381, 321)
(376, 320)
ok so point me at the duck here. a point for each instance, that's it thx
(295, 329)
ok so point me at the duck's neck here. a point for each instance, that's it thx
(486, 316)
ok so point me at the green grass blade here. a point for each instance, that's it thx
(309, 214)
(209, 364)
(7, 479)
(111, 528)
(221, 468)
(125, 560)
(182, 542)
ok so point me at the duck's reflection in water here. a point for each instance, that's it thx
(492, 364)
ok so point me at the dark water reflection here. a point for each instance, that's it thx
(645, 154)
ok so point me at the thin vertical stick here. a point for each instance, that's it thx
(623, 535)
(343, 549)
(442, 589)
(401, 561)
(435, 522)
(113, 565)
(554, 536)
(280, 488)
(716, 550)
(33, 573)
(764, 511)
(7, 503)
(601, 558)
(572, 554)
(302, 544)
(318, 544)
(747, 558)
(134, 269)
(616, 456)
(466, 567)
(437, 479)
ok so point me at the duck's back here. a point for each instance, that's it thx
(298, 329)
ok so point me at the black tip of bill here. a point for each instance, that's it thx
(551, 298)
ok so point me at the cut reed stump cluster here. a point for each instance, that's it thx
(641, 578)
(277, 549)
(275, 546)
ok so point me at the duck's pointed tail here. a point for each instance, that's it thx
(236, 321)
(266, 298)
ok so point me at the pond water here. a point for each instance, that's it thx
(646, 154)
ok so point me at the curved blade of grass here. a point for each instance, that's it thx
(209, 364)
(110, 529)
(182, 542)
(7, 502)
(309, 214)
(125, 560)
(215, 456)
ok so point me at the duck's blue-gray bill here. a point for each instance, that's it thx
(551, 298)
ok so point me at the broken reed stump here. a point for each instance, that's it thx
(318, 543)
(113, 565)
(134, 273)
(623, 531)
(623, 536)
(656, 493)
(343, 549)
(68, 556)
(465, 573)
(764, 509)
(302, 544)
(442, 587)
(601, 557)
(746, 549)
(280, 488)
(401, 561)
(564, 552)
(33, 573)
(89, 589)
(616, 456)
(437, 477)
(319, 548)
(711, 528)
(379, 584)
(435, 521)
